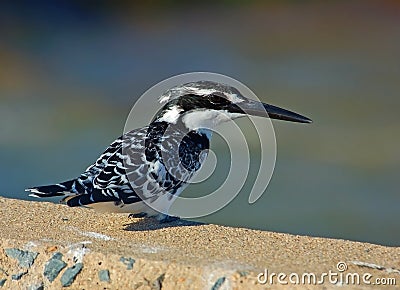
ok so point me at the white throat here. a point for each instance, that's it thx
(207, 119)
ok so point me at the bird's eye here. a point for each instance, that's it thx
(217, 99)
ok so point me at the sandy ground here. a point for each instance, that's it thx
(143, 254)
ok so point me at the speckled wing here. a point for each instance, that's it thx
(106, 179)
(143, 164)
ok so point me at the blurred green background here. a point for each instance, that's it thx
(71, 70)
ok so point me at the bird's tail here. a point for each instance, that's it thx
(59, 189)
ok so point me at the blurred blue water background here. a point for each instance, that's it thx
(71, 70)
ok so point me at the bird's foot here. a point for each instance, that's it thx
(137, 215)
(167, 219)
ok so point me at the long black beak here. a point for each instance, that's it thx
(255, 108)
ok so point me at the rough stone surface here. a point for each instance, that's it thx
(25, 258)
(69, 275)
(187, 256)
(54, 266)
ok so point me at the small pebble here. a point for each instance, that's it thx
(54, 266)
(104, 275)
(36, 287)
(243, 273)
(51, 249)
(2, 281)
(218, 283)
(157, 284)
(128, 262)
(69, 275)
(18, 275)
(25, 258)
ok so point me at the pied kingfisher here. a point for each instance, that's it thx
(144, 170)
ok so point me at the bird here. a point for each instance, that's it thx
(143, 171)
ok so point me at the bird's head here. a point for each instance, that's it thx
(205, 104)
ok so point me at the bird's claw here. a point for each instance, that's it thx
(168, 219)
(137, 215)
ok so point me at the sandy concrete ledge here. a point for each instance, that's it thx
(46, 246)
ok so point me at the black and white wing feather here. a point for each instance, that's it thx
(107, 179)
(143, 164)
